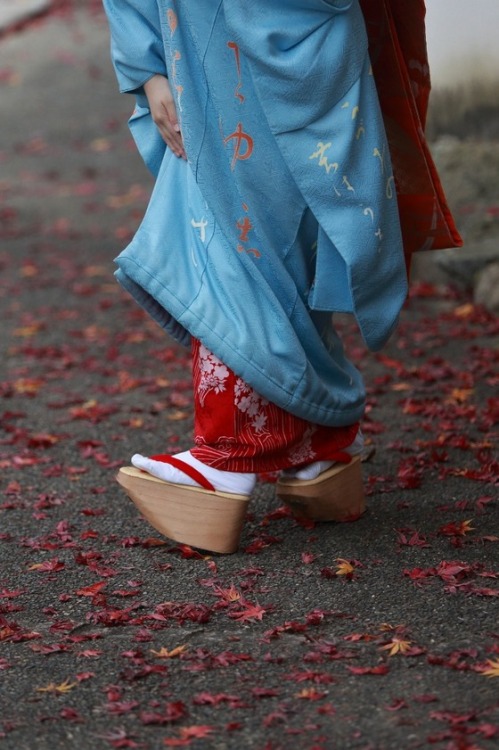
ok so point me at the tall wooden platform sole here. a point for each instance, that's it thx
(190, 515)
(335, 495)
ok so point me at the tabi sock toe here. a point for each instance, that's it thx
(235, 483)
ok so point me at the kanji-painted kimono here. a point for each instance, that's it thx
(288, 208)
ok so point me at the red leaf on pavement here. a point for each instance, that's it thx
(456, 529)
(321, 678)
(173, 711)
(90, 653)
(425, 698)
(117, 708)
(52, 648)
(49, 566)
(82, 676)
(119, 738)
(71, 714)
(227, 658)
(215, 699)
(411, 538)
(91, 590)
(92, 411)
(187, 552)
(381, 669)
(188, 734)
(308, 557)
(43, 440)
(250, 612)
(260, 543)
(397, 705)
(488, 731)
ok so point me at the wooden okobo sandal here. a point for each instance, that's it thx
(197, 516)
(335, 495)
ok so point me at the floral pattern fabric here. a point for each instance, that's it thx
(236, 429)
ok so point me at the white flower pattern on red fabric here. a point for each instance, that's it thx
(211, 374)
(252, 405)
(304, 453)
(237, 423)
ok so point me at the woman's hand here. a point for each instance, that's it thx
(164, 114)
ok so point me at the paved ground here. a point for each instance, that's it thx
(378, 634)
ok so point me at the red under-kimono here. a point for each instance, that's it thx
(397, 48)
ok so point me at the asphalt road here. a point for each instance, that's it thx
(379, 635)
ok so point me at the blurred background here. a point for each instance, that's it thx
(463, 129)
(462, 39)
(463, 51)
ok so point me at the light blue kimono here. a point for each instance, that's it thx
(286, 209)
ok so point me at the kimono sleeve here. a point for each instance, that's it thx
(136, 42)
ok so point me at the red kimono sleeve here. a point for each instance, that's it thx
(397, 46)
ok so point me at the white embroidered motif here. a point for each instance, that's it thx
(252, 405)
(303, 453)
(211, 374)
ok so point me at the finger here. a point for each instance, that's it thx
(171, 113)
(171, 137)
(172, 140)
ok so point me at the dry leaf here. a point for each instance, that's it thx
(61, 689)
(397, 646)
(493, 670)
(164, 653)
(344, 568)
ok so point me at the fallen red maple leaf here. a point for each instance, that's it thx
(381, 669)
(227, 658)
(90, 653)
(172, 712)
(248, 613)
(91, 590)
(308, 557)
(411, 538)
(215, 699)
(397, 705)
(119, 738)
(187, 734)
(321, 678)
(49, 566)
(71, 714)
(456, 529)
(117, 708)
(187, 552)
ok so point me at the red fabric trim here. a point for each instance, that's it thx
(186, 469)
(341, 457)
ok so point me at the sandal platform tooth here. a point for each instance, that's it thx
(335, 495)
(190, 515)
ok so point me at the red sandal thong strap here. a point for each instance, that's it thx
(186, 468)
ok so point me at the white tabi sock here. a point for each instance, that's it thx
(234, 482)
